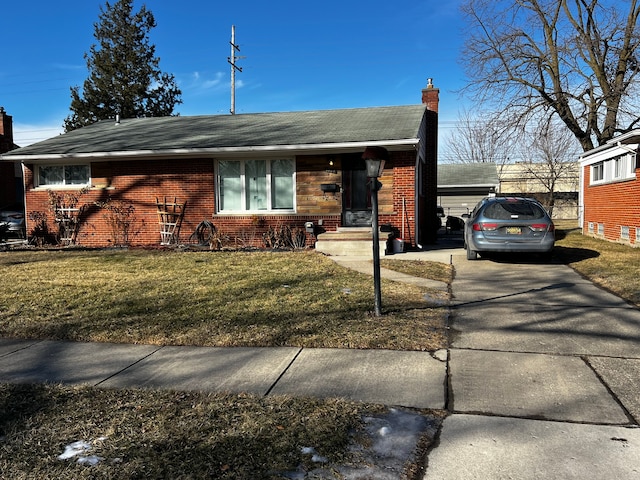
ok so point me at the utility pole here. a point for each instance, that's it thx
(232, 60)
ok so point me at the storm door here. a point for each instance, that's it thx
(357, 193)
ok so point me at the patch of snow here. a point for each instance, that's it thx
(391, 446)
(91, 460)
(314, 455)
(74, 449)
(78, 449)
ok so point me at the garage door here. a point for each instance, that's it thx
(456, 205)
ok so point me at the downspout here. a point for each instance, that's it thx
(419, 173)
(581, 199)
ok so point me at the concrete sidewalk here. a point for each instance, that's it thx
(409, 379)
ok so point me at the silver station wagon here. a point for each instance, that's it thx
(508, 224)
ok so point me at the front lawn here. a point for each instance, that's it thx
(203, 298)
(213, 299)
(613, 266)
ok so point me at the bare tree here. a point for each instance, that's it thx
(476, 139)
(574, 59)
(549, 162)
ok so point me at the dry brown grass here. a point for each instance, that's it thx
(417, 268)
(195, 298)
(210, 299)
(613, 266)
(178, 435)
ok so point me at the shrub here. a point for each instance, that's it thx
(120, 218)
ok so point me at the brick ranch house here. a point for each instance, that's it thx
(610, 190)
(245, 173)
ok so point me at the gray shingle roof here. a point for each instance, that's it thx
(467, 174)
(242, 131)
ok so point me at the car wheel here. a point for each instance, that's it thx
(471, 254)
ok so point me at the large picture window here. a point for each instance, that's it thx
(256, 185)
(63, 175)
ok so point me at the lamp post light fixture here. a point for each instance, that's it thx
(375, 158)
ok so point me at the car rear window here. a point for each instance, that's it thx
(514, 209)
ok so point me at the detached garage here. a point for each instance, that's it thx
(462, 186)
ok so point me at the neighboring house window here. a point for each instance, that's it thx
(601, 229)
(590, 227)
(637, 234)
(63, 175)
(618, 168)
(256, 185)
(624, 233)
(597, 172)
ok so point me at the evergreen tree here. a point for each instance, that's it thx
(124, 74)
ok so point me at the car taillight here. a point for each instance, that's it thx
(541, 227)
(484, 227)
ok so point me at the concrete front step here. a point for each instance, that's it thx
(351, 241)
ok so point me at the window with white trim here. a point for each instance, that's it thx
(597, 172)
(614, 169)
(256, 185)
(624, 232)
(618, 167)
(63, 175)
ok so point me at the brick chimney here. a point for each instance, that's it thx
(430, 96)
(6, 132)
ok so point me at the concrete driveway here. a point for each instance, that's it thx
(544, 376)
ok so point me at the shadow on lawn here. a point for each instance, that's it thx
(568, 255)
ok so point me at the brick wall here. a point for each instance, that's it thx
(612, 205)
(140, 182)
(315, 206)
(402, 201)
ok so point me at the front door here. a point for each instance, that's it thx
(357, 193)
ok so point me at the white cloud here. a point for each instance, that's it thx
(199, 84)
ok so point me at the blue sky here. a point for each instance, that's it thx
(298, 55)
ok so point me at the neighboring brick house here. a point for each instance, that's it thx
(246, 172)
(10, 175)
(610, 190)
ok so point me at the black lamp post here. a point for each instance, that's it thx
(375, 158)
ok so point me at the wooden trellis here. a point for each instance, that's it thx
(170, 216)
(68, 221)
